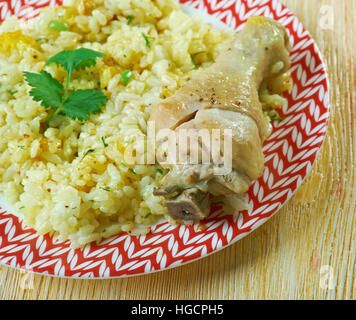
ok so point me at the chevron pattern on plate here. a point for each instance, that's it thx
(290, 153)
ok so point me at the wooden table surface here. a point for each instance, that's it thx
(306, 251)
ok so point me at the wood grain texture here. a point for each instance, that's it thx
(289, 257)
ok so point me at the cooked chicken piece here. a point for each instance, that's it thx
(223, 96)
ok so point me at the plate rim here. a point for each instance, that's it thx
(255, 226)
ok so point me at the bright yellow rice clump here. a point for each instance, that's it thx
(70, 179)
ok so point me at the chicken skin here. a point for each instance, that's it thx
(224, 96)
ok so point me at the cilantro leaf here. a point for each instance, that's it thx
(81, 103)
(78, 59)
(46, 89)
(51, 93)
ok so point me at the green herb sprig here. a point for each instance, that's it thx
(104, 142)
(78, 104)
(126, 76)
(88, 152)
(147, 215)
(148, 43)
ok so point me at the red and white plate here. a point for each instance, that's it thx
(290, 153)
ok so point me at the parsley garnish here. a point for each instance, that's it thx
(160, 171)
(148, 43)
(147, 215)
(126, 76)
(89, 151)
(21, 147)
(107, 189)
(129, 20)
(133, 171)
(79, 104)
(103, 140)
